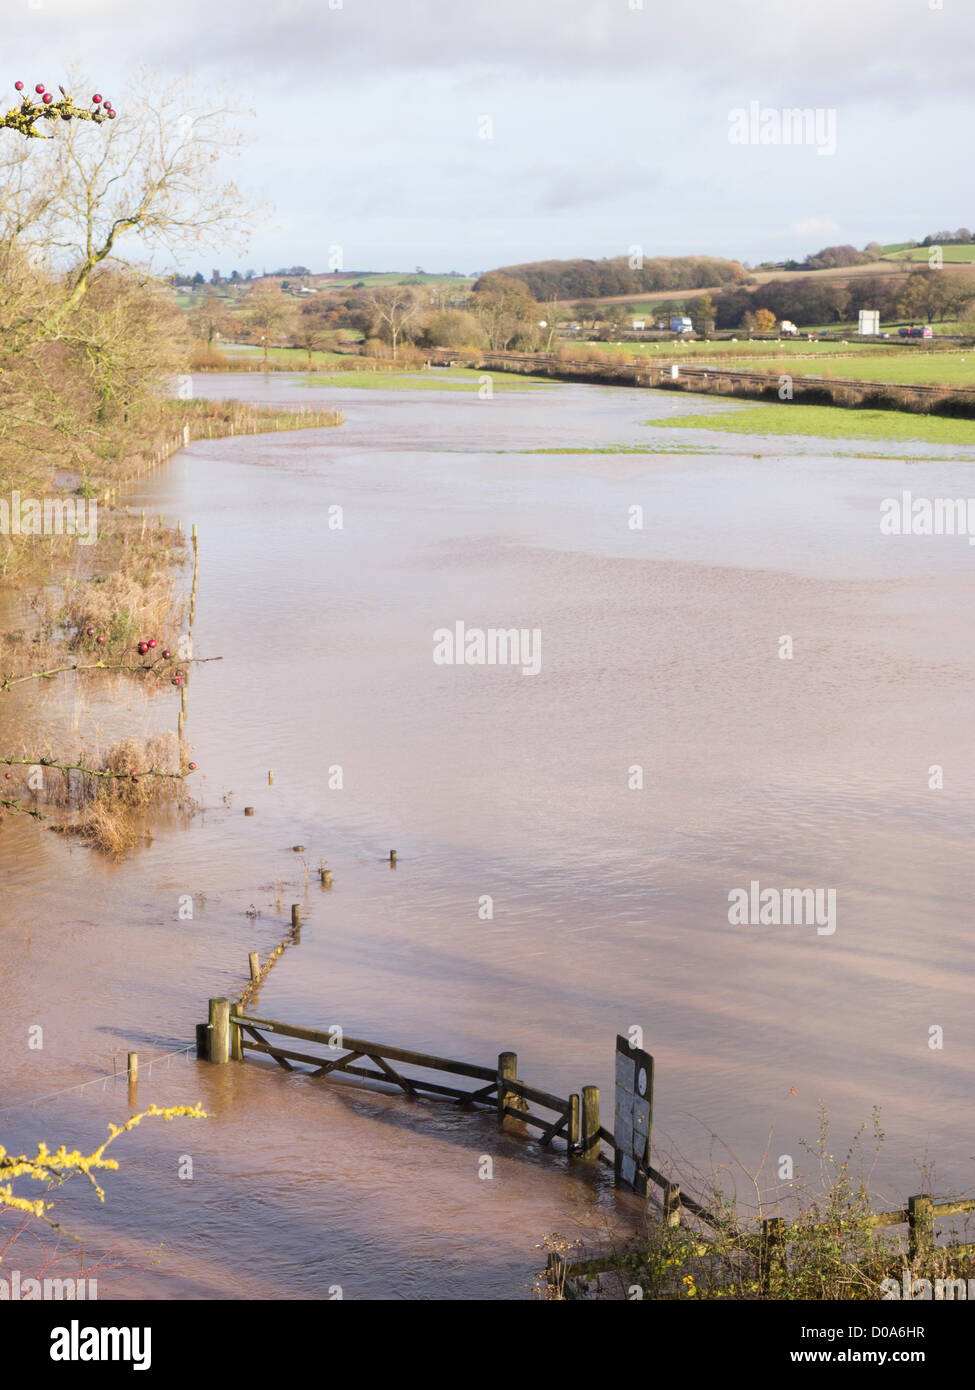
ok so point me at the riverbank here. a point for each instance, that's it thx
(97, 594)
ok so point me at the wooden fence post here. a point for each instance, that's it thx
(507, 1071)
(589, 1143)
(573, 1135)
(219, 1048)
(236, 1037)
(296, 915)
(672, 1204)
(252, 961)
(920, 1226)
(772, 1248)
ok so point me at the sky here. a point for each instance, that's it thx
(467, 134)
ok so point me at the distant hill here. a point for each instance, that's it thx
(587, 279)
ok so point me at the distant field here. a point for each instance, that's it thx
(828, 422)
(373, 280)
(743, 348)
(906, 368)
(457, 379)
(954, 255)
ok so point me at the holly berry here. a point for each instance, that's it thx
(152, 642)
(177, 680)
(47, 98)
(192, 767)
(111, 115)
(19, 86)
(100, 640)
(39, 88)
(97, 99)
(143, 648)
(166, 654)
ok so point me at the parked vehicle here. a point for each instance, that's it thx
(788, 329)
(681, 325)
(918, 331)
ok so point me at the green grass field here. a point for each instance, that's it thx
(902, 368)
(828, 422)
(951, 255)
(457, 379)
(724, 347)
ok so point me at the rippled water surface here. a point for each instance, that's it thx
(659, 650)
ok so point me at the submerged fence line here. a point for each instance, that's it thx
(725, 381)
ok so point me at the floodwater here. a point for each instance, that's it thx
(660, 650)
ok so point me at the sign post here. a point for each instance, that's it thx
(633, 1116)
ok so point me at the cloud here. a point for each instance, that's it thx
(814, 227)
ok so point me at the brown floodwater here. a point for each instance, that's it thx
(659, 648)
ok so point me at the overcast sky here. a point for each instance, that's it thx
(608, 120)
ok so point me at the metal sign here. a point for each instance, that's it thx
(633, 1116)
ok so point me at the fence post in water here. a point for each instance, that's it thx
(219, 1049)
(920, 1226)
(507, 1071)
(589, 1144)
(296, 915)
(252, 962)
(572, 1137)
(672, 1204)
(133, 1071)
(236, 1037)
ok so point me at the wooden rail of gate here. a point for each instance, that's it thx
(231, 1033)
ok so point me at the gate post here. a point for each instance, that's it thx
(219, 1045)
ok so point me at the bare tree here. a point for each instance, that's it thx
(392, 309)
(149, 182)
(267, 311)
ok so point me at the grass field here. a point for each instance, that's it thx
(903, 369)
(828, 422)
(953, 255)
(457, 379)
(727, 347)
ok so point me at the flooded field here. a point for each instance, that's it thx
(659, 651)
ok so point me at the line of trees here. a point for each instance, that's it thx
(588, 279)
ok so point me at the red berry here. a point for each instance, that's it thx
(143, 648)
(7, 774)
(152, 642)
(192, 767)
(47, 98)
(97, 99)
(19, 86)
(89, 632)
(99, 639)
(176, 681)
(166, 654)
(111, 115)
(39, 88)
